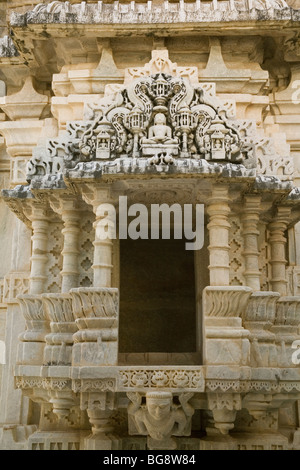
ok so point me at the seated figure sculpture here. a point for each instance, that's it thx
(159, 138)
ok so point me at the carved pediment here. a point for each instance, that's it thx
(159, 121)
(154, 117)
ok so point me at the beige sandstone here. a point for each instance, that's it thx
(115, 344)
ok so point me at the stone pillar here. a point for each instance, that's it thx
(40, 230)
(277, 242)
(102, 257)
(100, 407)
(251, 210)
(70, 270)
(218, 211)
(67, 208)
(102, 265)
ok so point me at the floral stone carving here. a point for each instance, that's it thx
(153, 116)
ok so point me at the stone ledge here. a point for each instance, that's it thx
(143, 13)
(197, 379)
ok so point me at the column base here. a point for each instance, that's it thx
(102, 442)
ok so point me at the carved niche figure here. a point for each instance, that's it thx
(160, 418)
(160, 132)
(159, 137)
(152, 116)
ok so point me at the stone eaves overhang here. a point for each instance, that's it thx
(273, 191)
(65, 19)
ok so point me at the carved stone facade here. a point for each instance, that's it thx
(117, 342)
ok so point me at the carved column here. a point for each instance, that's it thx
(40, 231)
(102, 265)
(68, 209)
(70, 271)
(100, 407)
(218, 211)
(277, 242)
(251, 210)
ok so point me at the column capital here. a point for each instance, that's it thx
(36, 210)
(62, 204)
(281, 217)
(219, 192)
(95, 194)
(252, 202)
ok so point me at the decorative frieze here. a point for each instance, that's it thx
(123, 13)
(163, 378)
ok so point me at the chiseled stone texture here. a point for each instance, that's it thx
(111, 343)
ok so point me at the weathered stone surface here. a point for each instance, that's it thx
(114, 114)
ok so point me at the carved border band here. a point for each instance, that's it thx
(146, 378)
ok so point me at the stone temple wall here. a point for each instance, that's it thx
(115, 343)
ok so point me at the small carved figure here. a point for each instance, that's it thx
(160, 132)
(160, 418)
